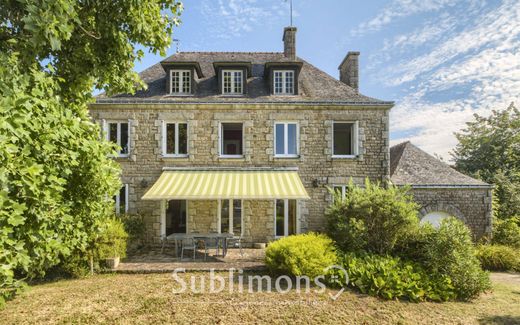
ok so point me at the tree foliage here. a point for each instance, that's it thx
(372, 218)
(88, 42)
(489, 148)
(56, 179)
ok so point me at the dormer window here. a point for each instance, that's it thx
(232, 81)
(180, 82)
(283, 82)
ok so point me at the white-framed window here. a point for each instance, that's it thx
(341, 190)
(121, 200)
(230, 217)
(119, 133)
(283, 82)
(286, 139)
(285, 217)
(232, 82)
(231, 139)
(180, 82)
(174, 139)
(344, 139)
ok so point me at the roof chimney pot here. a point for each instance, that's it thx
(349, 70)
(289, 42)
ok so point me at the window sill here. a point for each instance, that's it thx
(287, 157)
(125, 156)
(232, 95)
(231, 157)
(179, 95)
(175, 156)
(345, 156)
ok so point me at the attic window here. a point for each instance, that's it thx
(284, 82)
(180, 82)
(232, 82)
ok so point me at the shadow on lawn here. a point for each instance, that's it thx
(500, 320)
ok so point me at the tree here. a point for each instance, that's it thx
(489, 149)
(56, 179)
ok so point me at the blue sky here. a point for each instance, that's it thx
(441, 61)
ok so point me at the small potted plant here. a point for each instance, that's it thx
(112, 242)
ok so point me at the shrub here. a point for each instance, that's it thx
(498, 258)
(306, 254)
(507, 232)
(391, 278)
(135, 227)
(112, 240)
(449, 252)
(371, 218)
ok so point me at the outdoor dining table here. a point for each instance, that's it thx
(222, 239)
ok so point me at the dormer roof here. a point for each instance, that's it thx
(315, 86)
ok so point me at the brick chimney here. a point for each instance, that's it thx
(289, 42)
(349, 70)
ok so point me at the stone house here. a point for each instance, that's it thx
(243, 142)
(440, 190)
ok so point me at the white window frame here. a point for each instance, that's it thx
(181, 82)
(284, 85)
(355, 137)
(164, 205)
(107, 135)
(221, 140)
(286, 140)
(164, 139)
(118, 200)
(343, 187)
(286, 217)
(242, 85)
(231, 212)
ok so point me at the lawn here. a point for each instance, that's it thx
(149, 298)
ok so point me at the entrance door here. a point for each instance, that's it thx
(176, 213)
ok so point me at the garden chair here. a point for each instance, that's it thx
(187, 244)
(211, 243)
(235, 241)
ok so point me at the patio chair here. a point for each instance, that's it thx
(211, 243)
(234, 242)
(187, 244)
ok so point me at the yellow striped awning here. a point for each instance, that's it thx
(227, 184)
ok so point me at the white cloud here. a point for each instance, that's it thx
(482, 62)
(232, 18)
(400, 9)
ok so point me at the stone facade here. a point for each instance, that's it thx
(316, 166)
(470, 205)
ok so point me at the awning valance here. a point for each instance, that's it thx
(227, 184)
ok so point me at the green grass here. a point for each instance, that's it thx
(149, 299)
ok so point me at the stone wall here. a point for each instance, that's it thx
(317, 167)
(471, 205)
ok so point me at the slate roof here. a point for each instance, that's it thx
(315, 86)
(410, 165)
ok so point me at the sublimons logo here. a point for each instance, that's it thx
(236, 281)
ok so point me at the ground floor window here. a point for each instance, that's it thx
(341, 190)
(176, 216)
(121, 200)
(230, 217)
(285, 217)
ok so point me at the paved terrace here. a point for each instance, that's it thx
(151, 260)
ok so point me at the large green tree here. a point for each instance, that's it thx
(55, 175)
(489, 149)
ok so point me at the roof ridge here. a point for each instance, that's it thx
(238, 52)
